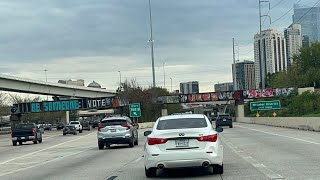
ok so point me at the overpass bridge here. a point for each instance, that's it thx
(22, 85)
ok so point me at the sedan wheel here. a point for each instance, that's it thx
(151, 172)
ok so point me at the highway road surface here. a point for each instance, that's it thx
(251, 152)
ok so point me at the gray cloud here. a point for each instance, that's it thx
(89, 38)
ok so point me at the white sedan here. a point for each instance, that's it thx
(179, 141)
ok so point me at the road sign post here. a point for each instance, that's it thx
(265, 105)
(135, 110)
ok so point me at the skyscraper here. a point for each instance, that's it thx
(273, 58)
(309, 18)
(228, 86)
(245, 75)
(293, 38)
(189, 87)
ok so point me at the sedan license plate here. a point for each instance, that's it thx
(224, 120)
(182, 143)
(23, 138)
(112, 130)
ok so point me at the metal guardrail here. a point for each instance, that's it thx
(5, 130)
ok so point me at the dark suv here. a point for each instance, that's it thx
(224, 120)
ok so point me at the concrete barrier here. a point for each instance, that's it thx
(305, 123)
(146, 125)
(5, 130)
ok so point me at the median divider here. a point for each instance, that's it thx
(304, 123)
(146, 125)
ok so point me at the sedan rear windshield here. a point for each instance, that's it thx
(182, 123)
(224, 116)
(113, 122)
(25, 126)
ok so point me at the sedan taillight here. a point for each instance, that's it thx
(154, 141)
(33, 131)
(209, 138)
(126, 125)
(100, 127)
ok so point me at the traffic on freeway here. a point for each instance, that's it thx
(249, 152)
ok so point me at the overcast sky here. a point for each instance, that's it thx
(94, 39)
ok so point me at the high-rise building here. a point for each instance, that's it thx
(79, 82)
(305, 41)
(189, 87)
(245, 75)
(293, 37)
(273, 57)
(309, 18)
(228, 86)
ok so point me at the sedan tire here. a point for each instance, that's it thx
(100, 145)
(14, 143)
(151, 172)
(217, 169)
(40, 141)
(131, 143)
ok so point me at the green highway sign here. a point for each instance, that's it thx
(265, 105)
(135, 110)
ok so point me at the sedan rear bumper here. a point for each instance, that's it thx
(116, 140)
(178, 159)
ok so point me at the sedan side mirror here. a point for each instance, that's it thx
(147, 133)
(219, 129)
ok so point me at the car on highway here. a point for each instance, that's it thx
(86, 125)
(77, 125)
(26, 132)
(180, 141)
(117, 130)
(224, 120)
(69, 129)
(47, 127)
(60, 126)
(95, 123)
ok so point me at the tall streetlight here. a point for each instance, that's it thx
(151, 42)
(164, 76)
(45, 72)
(171, 83)
(120, 79)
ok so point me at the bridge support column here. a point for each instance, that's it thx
(239, 111)
(67, 117)
(164, 112)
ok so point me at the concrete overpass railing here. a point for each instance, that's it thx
(304, 123)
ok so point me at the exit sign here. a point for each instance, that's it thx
(265, 105)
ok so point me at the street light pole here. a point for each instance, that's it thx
(152, 41)
(171, 84)
(45, 72)
(120, 79)
(164, 76)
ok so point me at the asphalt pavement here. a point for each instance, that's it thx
(250, 152)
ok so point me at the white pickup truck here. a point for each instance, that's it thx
(77, 125)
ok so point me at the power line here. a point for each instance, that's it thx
(308, 11)
(284, 14)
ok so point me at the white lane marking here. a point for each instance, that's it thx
(259, 166)
(35, 152)
(45, 162)
(138, 159)
(298, 139)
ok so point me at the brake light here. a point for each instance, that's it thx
(100, 127)
(126, 125)
(154, 141)
(33, 131)
(209, 138)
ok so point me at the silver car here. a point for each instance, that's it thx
(117, 130)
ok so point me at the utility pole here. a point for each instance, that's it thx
(152, 41)
(262, 63)
(234, 67)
